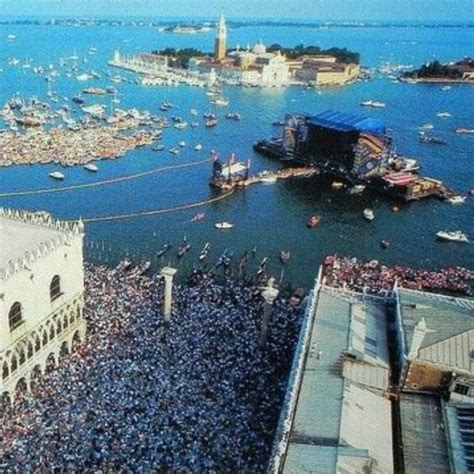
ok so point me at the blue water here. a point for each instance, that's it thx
(271, 217)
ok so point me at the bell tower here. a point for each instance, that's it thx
(221, 40)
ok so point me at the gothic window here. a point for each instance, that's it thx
(15, 317)
(55, 288)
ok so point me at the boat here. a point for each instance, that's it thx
(164, 248)
(443, 115)
(220, 101)
(464, 131)
(11, 37)
(91, 167)
(432, 140)
(445, 88)
(279, 123)
(223, 225)
(200, 216)
(369, 214)
(174, 151)
(56, 175)
(357, 189)
(158, 148)
(385, 244)
(211, 122)
(457, 199)
(225, 259)
(268, 179)
(183, 250)
(337, 185)
(455, 236)
(198, 147)
(204, 252)
(94, 91)
(180, 125)
(78, 99)
(373, 103)
(426, 126)
(284, 256)
(182, 143)
(233, 116)
(193, 112)
(313, 221)
(262, 267)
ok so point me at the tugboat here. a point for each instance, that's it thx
(456, 236)
(164, 248)
(313, 221)
(284, 256)
(369, 214)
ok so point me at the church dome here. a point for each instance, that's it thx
(259, 48)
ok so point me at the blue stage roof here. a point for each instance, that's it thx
(344, 122)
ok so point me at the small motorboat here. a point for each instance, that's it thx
(373, 103)
(269, 179)
(183, 250)
(91, 167)
(445, 88)
(455, 236)
(464, 131)
(337, 185)
(198, 147)
(211, 123)
(284, 256)
(200, 216)
(263, 266)
(56, 175)
(313, 221)
(385, 244)
(182, 143)
(204, 252)
(426, 126)
(369, 214)
(457, 199)
(233, 116)
(225, 259)
(223, 225)
(432, 140)
(357, 189)
(443, 115)
(174, 151)
(158, 148)
(193, 112)
(164, 248)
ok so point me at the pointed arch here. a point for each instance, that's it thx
(5, 371)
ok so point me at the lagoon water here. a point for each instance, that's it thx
(271, 217)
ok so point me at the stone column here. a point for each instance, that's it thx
(269, 294)
(168, 274)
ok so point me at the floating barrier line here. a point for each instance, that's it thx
(156, 212)
(103, 182)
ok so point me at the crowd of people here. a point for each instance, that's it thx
(372, 277)
(197, 393)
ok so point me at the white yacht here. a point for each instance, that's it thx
(457, 199)
(456, 236)
(198, 147)
(224, 225)
(91, 167)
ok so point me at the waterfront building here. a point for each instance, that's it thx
(220, 47)
(337, 416)
(435, 337)
(41, 295)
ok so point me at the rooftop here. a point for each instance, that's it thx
(437, 328)
(26, 236)
(332, 406)
(423, 435)
(344, 122)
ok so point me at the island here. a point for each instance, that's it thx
(461, 72)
